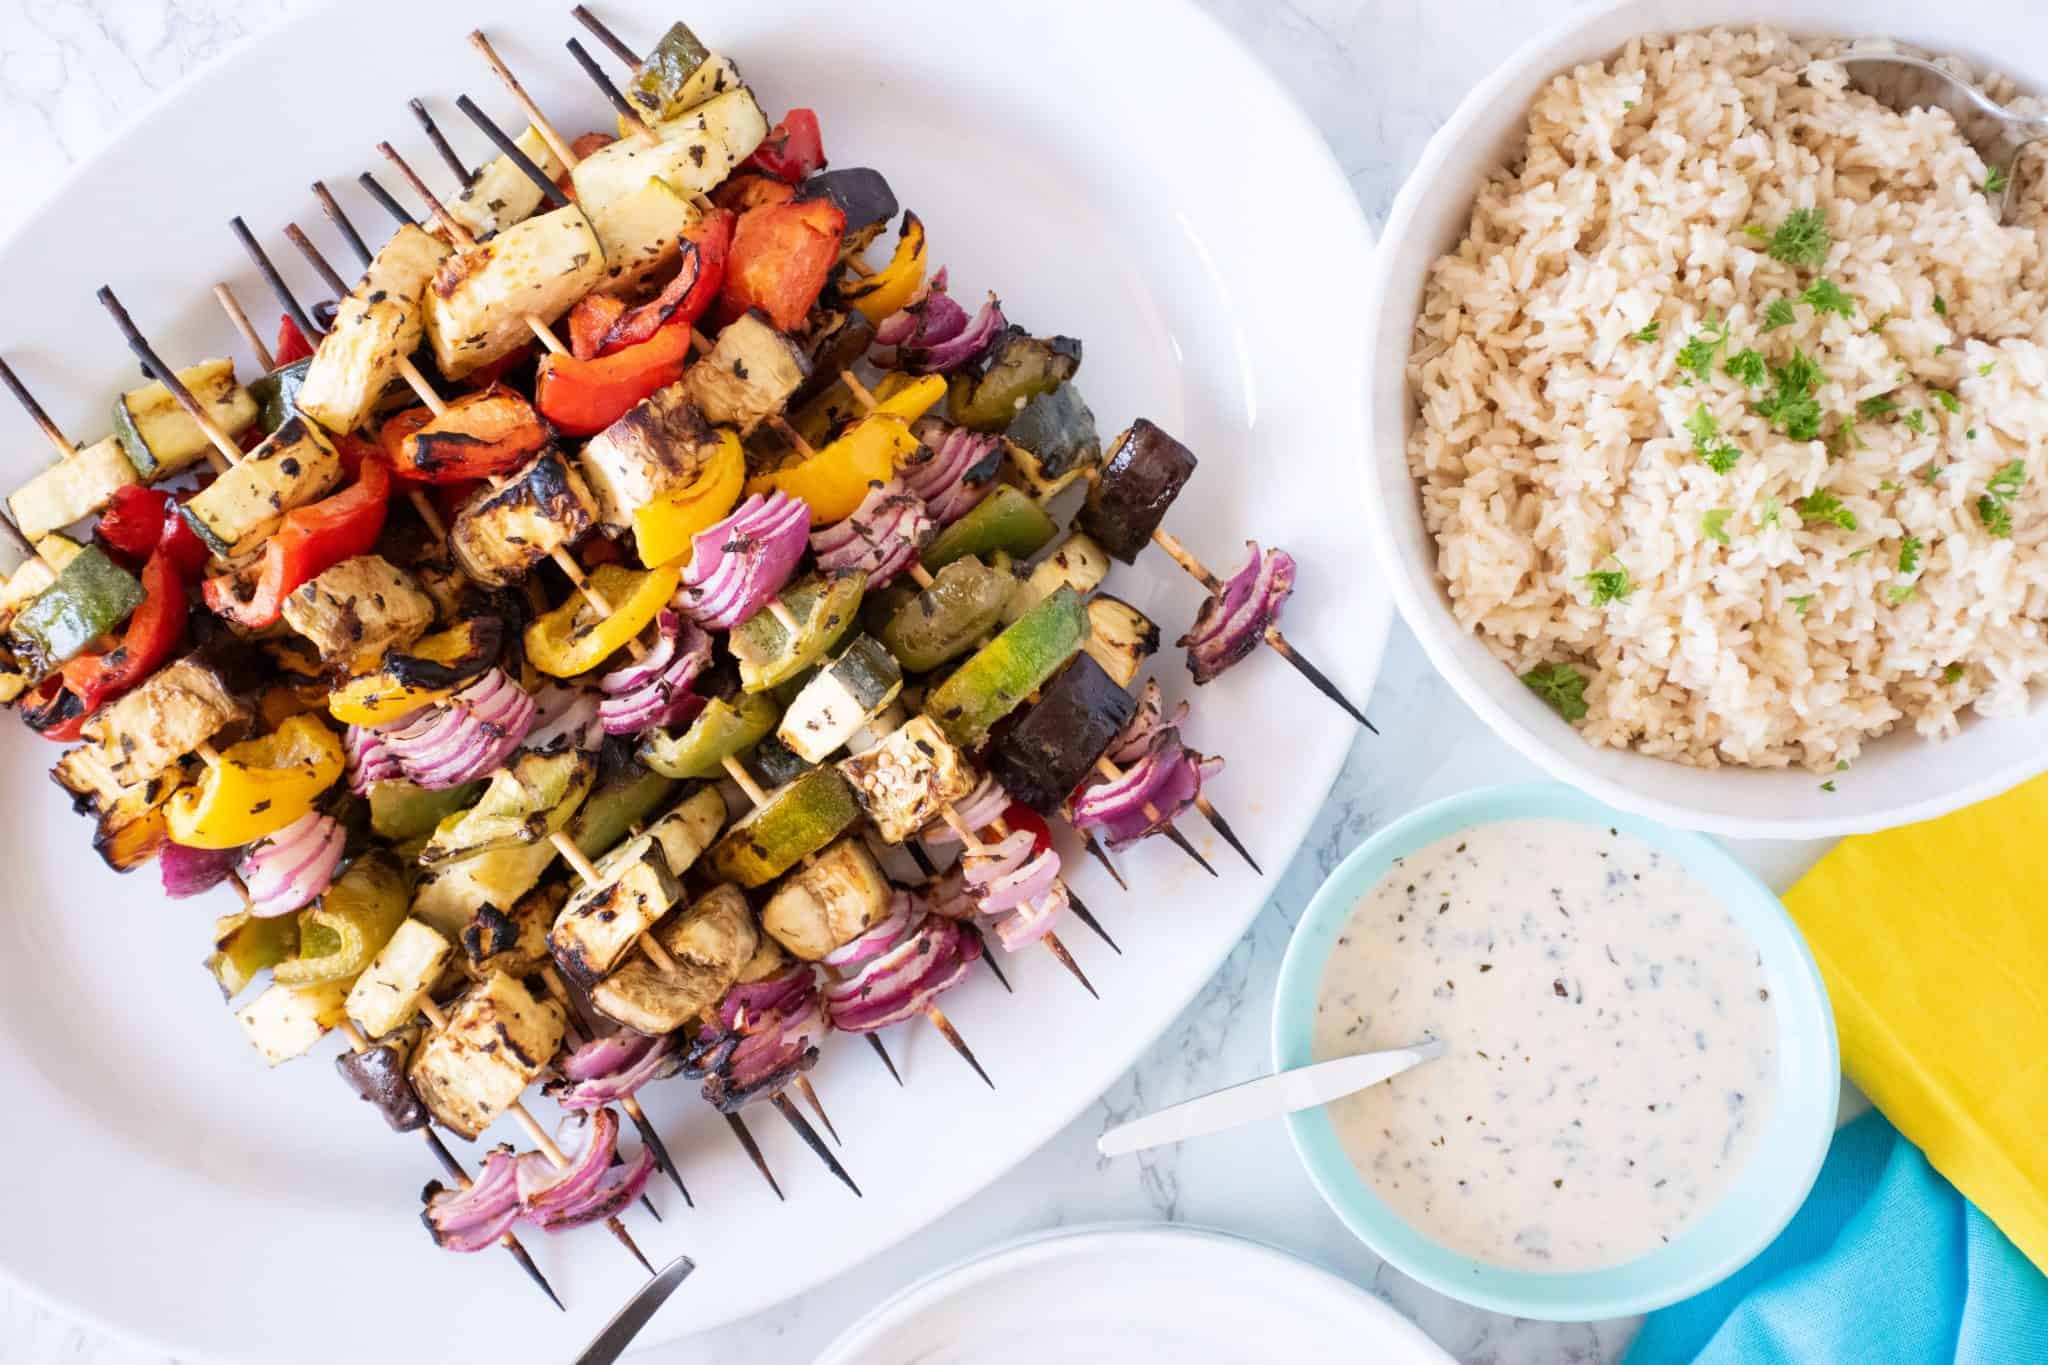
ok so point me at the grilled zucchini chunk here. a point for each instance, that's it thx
(839, 700)
(375, 328)
(1120, 638)
(388, 993)
(158, 436)
(664, 442)
(449, 897)
(501, 194)
(598, 926)
(180, 707)
(285, 1021)
(689, 828)
(238, 510)
(500, 535)
(515, 943)
(1076, 562)
(829, 903)
(356, 610)
(747, 375)
(129, 826)
(906, 780)
(710, 942)
(497, 1039)
(72, 489)
(641, 232)
(690, 155)
(479, 300)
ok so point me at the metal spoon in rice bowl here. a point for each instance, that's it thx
(1902, 82)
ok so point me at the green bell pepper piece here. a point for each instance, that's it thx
(619, 802)
(1006, 521)
(401, 811)
(1018, 368)
(524, 804)
(963, 604)
(245, 944)
(1009, 668)
(277, 394)
(723, 729)
(349, 924)
(91, 597)
(826, 608)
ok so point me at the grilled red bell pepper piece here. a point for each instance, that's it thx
(478, 436)
(141, 521)
(793, 149)
(583, 397)
(291, 342)
(1021, 816)
(741, 193)
(600, 325)
(59, 708)
(591, 321)
(310, 541)
(781, 254)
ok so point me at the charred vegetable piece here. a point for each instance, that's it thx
(450, 895)
(827, 904)
(426, 671)
(352, 920)
(826, 608)
(659, 83)
(514, 942)
(296, 465)
(722, 730)
(1008, 669)
(479, 299)
(359, 608)
(500, 535)
(1077, 562)
(1017, 368)
(401, 811)
(835, 341)
(839, 699)
(500, 194)
(497, 1040)
(661, 446)
(689, 828)
(1054, 439)
(277, 394)
(1147, 469)
(285, 1021)
(524, 804)
(598, 927)
(160, 438)
(796, 819)
(618, 802)
(179, 707)
(1006, 521)
(747, 376)
(905, 781)
(1052, 746)
(377, 1075)
(388, 993)
(477, 436)
(79, 485)
(1120, 638)
(245, 944)
(893, 287)
(962, 605)
(91, 597)
(711, 942)
(375, 328)
(773, 763)
(860, 192)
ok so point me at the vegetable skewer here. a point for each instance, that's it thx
(579, 1029)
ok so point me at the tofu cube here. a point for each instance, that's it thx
(497, 1040)
(389, 992)
(906, 780)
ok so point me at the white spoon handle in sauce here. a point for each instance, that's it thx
(1267, 1097)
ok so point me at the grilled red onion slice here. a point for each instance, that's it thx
(1168, 778)
(589, 1188)
(369, 756)
(289, 868)
(1134, 741)
(737, 565)
(656, 690)
(886, 933)
(1018, 887)
(984, 806)
(1237, 615)
(928, 956)
(933, 335)
(565, 718)
(475, 1218)
(464, 737)
(191, 871)
(606, 1070)
(770, 1034)
(952, 897)
(962, 466)
(881, 537)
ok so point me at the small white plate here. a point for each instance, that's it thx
(1114, 1293)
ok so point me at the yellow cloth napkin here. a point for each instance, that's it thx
(1933, 940)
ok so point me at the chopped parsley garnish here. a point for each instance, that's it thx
(1994, 508)
(1909, 554)
(1772, 508)
(1899, 593)
(1649, 333)
(1705, 431)
(2009, 479)
(1917, 420)
(1827, 297)
(1953, 674)
(1745, 366)
(1757, 231)
(1870, 409)
(1792, 408)
(1946, 399)
(1779, 313)
(1971, 434)
(1828, 786)
(1715, 523)
(1697, 355)
(1941, 305)
(1802, 239)
(1930, 471)
(1822, 507)
(1563, 686)
(1995, 181)
(1888, 486)
(1609, 585)
(1984, 370)
(1995, 515)
(1801, 602)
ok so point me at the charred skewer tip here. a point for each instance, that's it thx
(753, 1149)
(883, 1052)
(796, 1120)
(952, 1035)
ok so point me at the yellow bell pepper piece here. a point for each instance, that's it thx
(663, 528)
(379, 698)
(835, 479)
(574, 638)
(891, 288)
(909, 396)
(259, 786)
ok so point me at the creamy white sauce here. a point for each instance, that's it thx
(1610, 1044)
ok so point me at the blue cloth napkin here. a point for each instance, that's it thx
(1884, 1261)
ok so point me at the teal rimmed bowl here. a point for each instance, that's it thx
(1757, 1203)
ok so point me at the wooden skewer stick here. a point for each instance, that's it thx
(463, 174)
(332, 208)
(232, 306)
(225, 452)
(550, 192)
(357, 1043)
(261, 260)
(738, 1126)
(527, 106)
(540, 1138)
(385, 200)
(794, 1117)
(559, 989)
(51, 433)
(810, 1094)
(972, 844)
(611, 40)
(622, 106)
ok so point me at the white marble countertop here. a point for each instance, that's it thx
(1377, 76)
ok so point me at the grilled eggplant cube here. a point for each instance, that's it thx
(1120, 638)
(285, 1021)
(479, 300)
(710, 942)
(843, 696)
(1076, 562)
(238, 510)
(388, 993)
(358, 609)
(72, 489)
(160, 438)
(603, 920)
(502, 194)
(377, 1075)
(796, 820)
(663, 443)
(497, 1039)
(375, 328)
(179, 707)
(499, 535)
(1146, 471)
(904, 782)
(1051, 747)
(747, 376)
(831, 901)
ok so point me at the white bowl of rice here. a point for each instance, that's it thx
(1709, 407)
